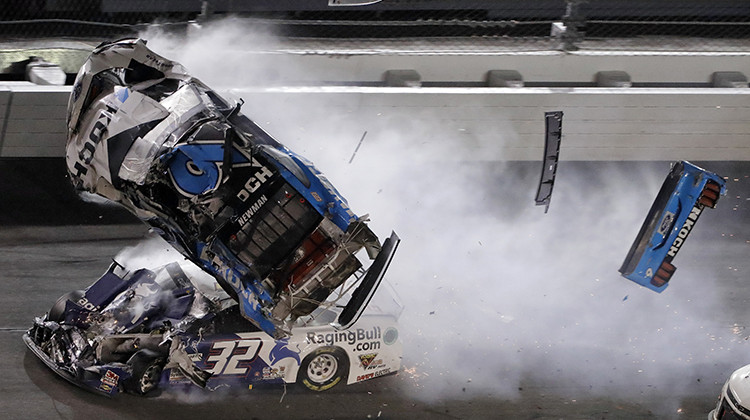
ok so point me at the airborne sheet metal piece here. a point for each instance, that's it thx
(684, 195)
(552, 137)
(261, 219)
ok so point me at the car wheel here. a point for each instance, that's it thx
(323, 369)
(57, 312)
(146, 367)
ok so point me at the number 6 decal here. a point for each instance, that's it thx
(231, 353)
(195, 168)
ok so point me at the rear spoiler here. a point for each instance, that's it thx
(366, 289)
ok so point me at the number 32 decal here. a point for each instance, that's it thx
(226, 356)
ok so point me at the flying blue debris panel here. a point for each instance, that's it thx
(687, 191)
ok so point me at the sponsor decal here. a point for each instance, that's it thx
(249, 213)
(367, 345)
(270, 373)
(685, 230)
(366, 359)
(350, 337)
(83, 302)
(260, 176)
(86, 154)
(110, 378)
(390, 336)
(369, 361)
(109, 381)
(666, 223)
(367, 376)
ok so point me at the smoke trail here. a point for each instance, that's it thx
(154, 252)
(496, 292)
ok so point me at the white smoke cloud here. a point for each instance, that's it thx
(496, 292)
(154, 252)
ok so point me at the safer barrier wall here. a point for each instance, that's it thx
(634, 123)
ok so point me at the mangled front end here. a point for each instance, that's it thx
(271, 229)
(121, 332)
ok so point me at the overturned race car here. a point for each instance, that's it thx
(270, 228)
(685, 193)
(137, 331)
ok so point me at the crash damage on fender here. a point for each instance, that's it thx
(261, 219)
(163, 328)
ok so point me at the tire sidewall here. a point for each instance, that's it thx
(57, 311)
(140, 363)
(342, 369)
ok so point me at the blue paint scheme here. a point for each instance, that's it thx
(681, 201)
(281, 351)
(249, 291)
(208, 157)
(196, 168)
(252, 310)
(321, 193)
(213, 353)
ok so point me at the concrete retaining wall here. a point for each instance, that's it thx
(32, 119)
(503, 123)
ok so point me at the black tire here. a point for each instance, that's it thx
(146, 366)
(323, 369)
(57, 312)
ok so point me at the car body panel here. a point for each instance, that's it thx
(198, 338)
(734, 399)
(248, 358)
(261, 219)
(670, 220)
(552, 138)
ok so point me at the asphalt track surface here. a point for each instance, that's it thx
(41, 258)
(41, 263)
